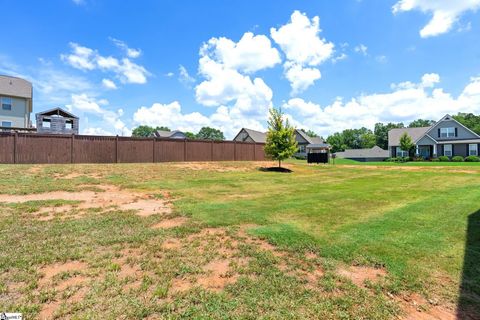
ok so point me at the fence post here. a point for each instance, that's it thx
(116, 149)
(72, 143)
(15, 138)
(211, 150)
(234, 150)
(185, 150)
(153, 150)
(254, 151)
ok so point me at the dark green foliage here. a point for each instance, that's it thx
(146, 131)
(208, 133)
(472, 159)
(351, 139)
(310, 133)
(281, 143)
(469, 120)
(443, 159)
(381, 133)
(457, 159)
(190, 135)
(421, 123)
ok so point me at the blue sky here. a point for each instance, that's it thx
(330, 65)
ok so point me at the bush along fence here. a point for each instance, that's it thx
(37, 148)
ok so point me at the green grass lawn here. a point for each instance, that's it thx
(417, 222)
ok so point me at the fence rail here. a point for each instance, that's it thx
(43, 148)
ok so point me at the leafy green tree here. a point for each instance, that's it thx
(208, 133)
(337, 142)
(381, 133)
(190, 135)
(310, 133)
(163, 128)
(367, 140)
(143, 131)
(281, 143)
(421, 123)
(469, 120)
(406, 143)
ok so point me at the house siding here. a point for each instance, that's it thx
(462, 133)
(19, 115)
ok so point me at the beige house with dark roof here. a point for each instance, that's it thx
(15, 102)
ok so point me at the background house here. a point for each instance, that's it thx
(57, 121)
(447, 137)
(249, 135)
(175, 134)
(15, 102)
(364, 155)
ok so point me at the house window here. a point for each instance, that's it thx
(69, 125)
(301, 148)
(473, 149)
(447, 132)
(46, 123)
(6, 103)
(7, 124)
(401, 153)
(447, 150)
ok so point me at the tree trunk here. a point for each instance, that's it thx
(279, 163)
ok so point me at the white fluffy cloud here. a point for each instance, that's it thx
(406, 102)
(304, 49)
(87, 59)
(109, 84)
(130, 52)
(444, 13)
(184, 77)
(83, 105)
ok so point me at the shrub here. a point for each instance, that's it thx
(443, 159)
(457, 159)
(391, 159)
(472, 159)
(435, 160)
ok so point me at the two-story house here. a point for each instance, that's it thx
(447, 137)
(15, 102)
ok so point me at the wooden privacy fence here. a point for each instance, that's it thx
(40, 148)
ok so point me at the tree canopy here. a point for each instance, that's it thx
(281, 143)
(208, 133)
(421, 123)
(469, 120)
(351, 139)
(146, 131)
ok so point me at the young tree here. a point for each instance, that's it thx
(406, 143)
(208, 133)
(281, 143)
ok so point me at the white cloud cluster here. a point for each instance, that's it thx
(304, 49)
(445, 13)
(362, 49)
(227, 68)
(406, 102)
(184, 77)
(109, 84)
(84, 105)
(87, 59)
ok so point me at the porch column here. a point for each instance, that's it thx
(416, 150)
(435, 150)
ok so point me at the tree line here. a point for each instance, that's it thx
(205, 133)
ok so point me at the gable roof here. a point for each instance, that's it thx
(256, 136)
(375, 152)
(57, 112)
(450, 118)
(15, 87)
(166, 134)
(416, 134)
(310, 140)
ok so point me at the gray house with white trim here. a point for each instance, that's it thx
(447, 137)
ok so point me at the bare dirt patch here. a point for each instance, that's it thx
(416, 307)
(218, 275)
(50, 271)
(358, 275)
(111, 197)
(170, 223)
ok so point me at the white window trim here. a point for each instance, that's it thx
(445, 151)
(475, 153)
(10, 103)
(448, 132)
(401, 153)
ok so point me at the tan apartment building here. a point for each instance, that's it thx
(15, 102)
